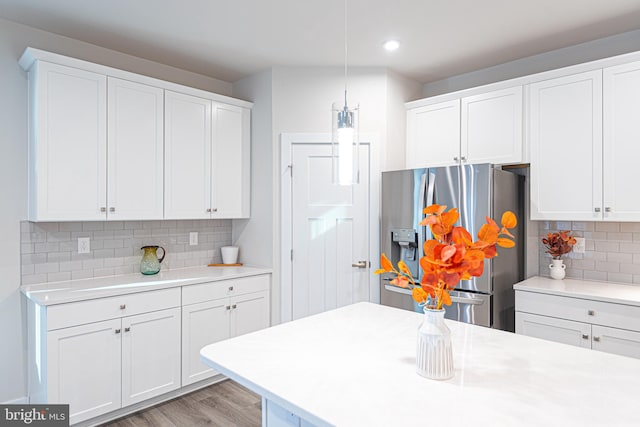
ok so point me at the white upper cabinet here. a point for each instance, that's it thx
(187, 156)
(483, 128)
(492, 127)
(68, 143)
(207, 158)
(621, 147)
(231, 148)
(565, 134)
(433, 135)
(107, 144)
(135, 151)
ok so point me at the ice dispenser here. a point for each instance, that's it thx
(404, 246)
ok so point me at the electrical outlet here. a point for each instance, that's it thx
(579, 247)
(193, 238)
(84, 245)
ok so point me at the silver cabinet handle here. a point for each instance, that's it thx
(585, 336)
(596, 339)
(208, 209)
(463, 158)
(596, 209)
(360, 264)
(127, 329)
(591, 313)
(103, 209)
(215, 209)
(234, 306)
(112, 209)
(117, 331)
(455, 159)
(230, 288)
(123, 306)
(607, 209)
(228, 307)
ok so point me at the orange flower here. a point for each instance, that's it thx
(451, 255)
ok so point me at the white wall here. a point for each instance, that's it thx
(399, 90)
(255, 236)
(14, 38)
(572, 55)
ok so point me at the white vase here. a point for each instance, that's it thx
(434, 357)
(556, 269)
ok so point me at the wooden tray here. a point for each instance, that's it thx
(225, 265)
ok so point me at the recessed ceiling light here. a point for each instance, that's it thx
(392, 45)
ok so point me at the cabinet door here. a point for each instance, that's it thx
(249, 313)
(231, 162)
(135, 151)
(150, 355)
(187, 156)
(565, 135)
(67, 144)
(620, 146)
(553, 329)
(492, 127)
(202, 324)
(433, 135)
(83, 368)
(617, 341)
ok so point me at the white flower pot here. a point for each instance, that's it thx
(556, 269)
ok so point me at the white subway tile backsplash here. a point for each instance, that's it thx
(620, 277)
(607, 246)
(49, 251)
(612, 250)
(594, 275)
(609, 227)
(609, 267)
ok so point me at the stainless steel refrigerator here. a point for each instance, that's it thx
(477, 191)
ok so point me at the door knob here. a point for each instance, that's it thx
(360, 264)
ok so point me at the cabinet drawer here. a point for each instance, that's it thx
(580, 310)
(78, 313)
(224, 288)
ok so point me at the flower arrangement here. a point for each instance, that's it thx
(558, 243)
(451, 256)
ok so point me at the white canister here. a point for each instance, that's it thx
(229, 254)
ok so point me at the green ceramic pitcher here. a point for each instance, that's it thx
(150, 263)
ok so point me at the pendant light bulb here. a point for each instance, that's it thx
(344, 143)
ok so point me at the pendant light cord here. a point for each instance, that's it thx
(345, 54)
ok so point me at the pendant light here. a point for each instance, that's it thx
(345, 139)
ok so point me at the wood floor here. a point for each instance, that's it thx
(223, 404)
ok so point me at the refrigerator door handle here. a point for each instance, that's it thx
(396, 289)
(463, 300)
(421, 232)
(430, 200)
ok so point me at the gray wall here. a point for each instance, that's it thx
(14, 38)
(572, 55)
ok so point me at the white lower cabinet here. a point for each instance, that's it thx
(79, 358)
(104, 354)
(216, 311)
(150, 355)
(609, 327)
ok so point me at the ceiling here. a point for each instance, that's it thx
(230, 39)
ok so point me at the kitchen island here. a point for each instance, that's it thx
(355, 366)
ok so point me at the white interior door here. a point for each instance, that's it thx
(329, 232)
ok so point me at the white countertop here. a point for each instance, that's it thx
(355, 366)
(587, 289)
(79, 290)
